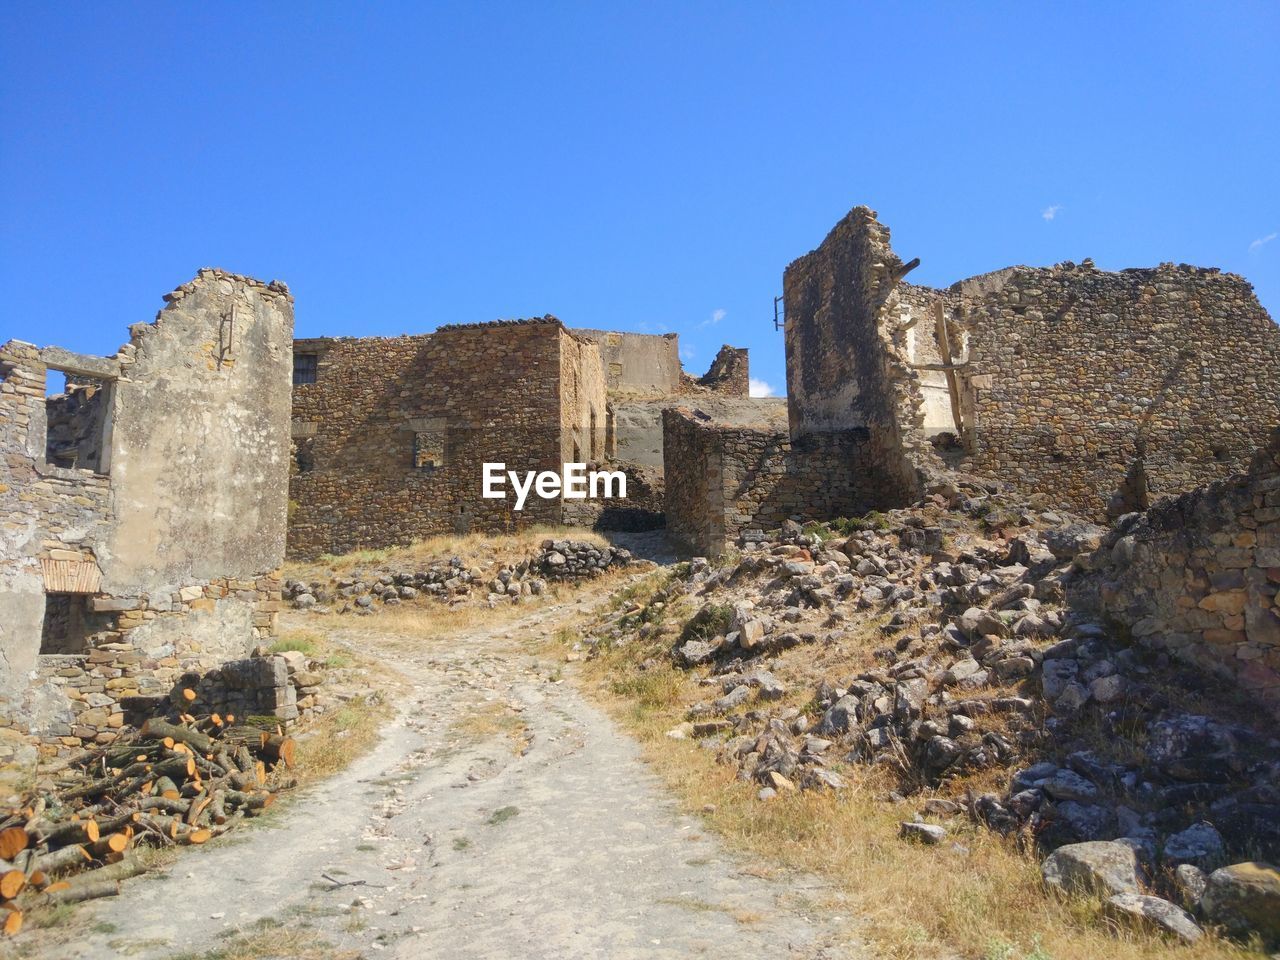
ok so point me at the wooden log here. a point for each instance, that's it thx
(165, 804)
(217, 811)
(71, 893)
(278, 749)
(113, 843)
(156, 729)
(199, 836)
(166, 788)
(121, 821)
(64, 859)
(11, 883)
(12, 923)
(124, 868)
(73, 831)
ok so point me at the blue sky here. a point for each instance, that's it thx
(646, 167)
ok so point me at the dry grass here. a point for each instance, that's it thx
(475, 549)
(268, 941)
(340, 737)
(977, 895)
(493, 719)
(410, 623)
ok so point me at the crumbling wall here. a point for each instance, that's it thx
(169, 545)
(1198, 576)
(397, 431)
(638, 363)
(847, 351)
(729, 373)
(725, 480)
(1080, 378)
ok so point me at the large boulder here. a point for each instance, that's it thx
(1065, 542)
(1101, 867)
(1245, 898)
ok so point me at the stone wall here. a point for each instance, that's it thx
(165, 550)
(583, 407)
(1101, 391)
(638, 363)
(1198, 575)
(729, 373)
(725, 480)
(1079, 378)
(395, 431)
(847, 347)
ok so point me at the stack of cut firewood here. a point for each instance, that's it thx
(176, 781)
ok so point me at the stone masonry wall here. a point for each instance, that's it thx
(847, 349)
(723, 481)
(1198, 576)
(1077, 374)
(459, 397)
(729, 373)
(169, 548)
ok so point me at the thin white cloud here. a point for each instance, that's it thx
(687, 353)
(758, 388)
(1262, 241)
(716, 316)
(1051, 211)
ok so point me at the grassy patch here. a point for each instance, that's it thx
(502, 815)
(271, 942)
(492, 719)
(337, 738)
(302, 641)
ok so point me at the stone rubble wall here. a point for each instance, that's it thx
(1076, 373)
(1199, 576)
(729, 373)
(486, 392)
(724, 482)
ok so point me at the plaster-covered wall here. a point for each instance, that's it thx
(200, 440)
(638, 362)
(583, 404)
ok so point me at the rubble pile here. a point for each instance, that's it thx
(574, 559)
(953, 659)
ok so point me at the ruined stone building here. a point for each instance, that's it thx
(390, 434)
(142, 509)
(1100, 391)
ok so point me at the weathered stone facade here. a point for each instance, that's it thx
(1198, 576)
(848, 355)
(725, 480)
(1078, 377)
(729, 373)
(393, 433)
(1100, 390)
(157, 551)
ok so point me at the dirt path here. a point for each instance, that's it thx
(543, 837)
